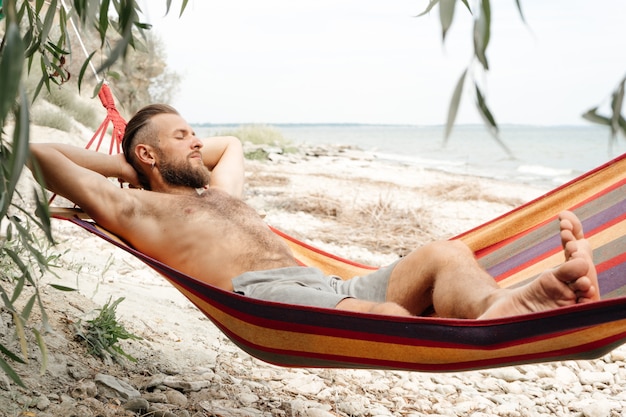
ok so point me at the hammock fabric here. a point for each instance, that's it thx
(514, 248)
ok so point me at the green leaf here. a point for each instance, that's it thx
(28, 308)
(11, 64)
(183, 7)
(49, 19)
(482, 33)
(97, 88)
(466, 3)
(490, 121)
(484, 110)
(617, 100)
(103, 23)
(593, 116)
(10, 372)
(44, 351)
(62, 288)
(43, 214)
(38, 5)
(19, 153)
(19, 330)
(10, 355)
(446, 16)
(454, 105)
(430, 6)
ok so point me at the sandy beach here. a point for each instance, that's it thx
(343, 200)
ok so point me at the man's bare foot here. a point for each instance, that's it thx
(574, 281)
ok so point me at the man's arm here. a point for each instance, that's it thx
(223, 155)
(81, 176)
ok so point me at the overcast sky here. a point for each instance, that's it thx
(373, 61)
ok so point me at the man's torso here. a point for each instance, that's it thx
(211, 236)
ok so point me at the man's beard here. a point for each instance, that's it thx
(183, 173)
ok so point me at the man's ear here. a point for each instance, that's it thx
(145, 154)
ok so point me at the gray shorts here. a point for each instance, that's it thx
(309, 286)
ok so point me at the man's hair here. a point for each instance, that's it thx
(140, 130)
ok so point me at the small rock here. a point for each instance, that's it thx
(176, 398)
(155, 397)
(318, 412)
(565, 375)
(137, 405)
(185, 386)
(79, 373)
(42, 403)
(247, 399)
(84, 389)
(114, 386)
(590, 378)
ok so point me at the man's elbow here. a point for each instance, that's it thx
(234, 143)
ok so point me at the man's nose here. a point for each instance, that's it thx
(196, 143)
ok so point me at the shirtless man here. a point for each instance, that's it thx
(184, 208)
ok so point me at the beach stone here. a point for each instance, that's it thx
(183, 385)
(596, 409)
(176, 398)
(508, 409)
(5, 383)
(508, 374)
(565, 375)
(161, 413)
(113, 387)
(379, 411)
(78, 372)
(137, 405)
(155, 397)
(247, 399)
(356, 406)
(592, 377)
(42, 403)
(85, 389)
(307, 385)
(318, 412)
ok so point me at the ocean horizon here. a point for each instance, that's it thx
(546, 156)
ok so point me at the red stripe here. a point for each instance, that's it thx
(321, 252)
(618, 260)
(606, 225)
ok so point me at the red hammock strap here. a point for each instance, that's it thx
(113, 118)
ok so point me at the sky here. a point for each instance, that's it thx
(374, 61)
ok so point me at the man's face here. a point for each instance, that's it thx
(178, 156)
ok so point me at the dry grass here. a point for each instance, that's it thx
(469, 191)
(381, 226)
(258, 179)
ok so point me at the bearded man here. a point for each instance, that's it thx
(185, 209)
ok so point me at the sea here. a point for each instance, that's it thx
(544, 156)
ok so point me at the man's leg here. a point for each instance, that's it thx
(447, 276)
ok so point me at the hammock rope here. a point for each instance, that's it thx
(113, 119)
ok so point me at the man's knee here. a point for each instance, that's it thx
(441, 252)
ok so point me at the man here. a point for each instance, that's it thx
(184, 208)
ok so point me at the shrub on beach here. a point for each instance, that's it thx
(258, 134)
(51, 116)
(74, 106)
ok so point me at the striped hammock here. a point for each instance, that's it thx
(514, 248)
